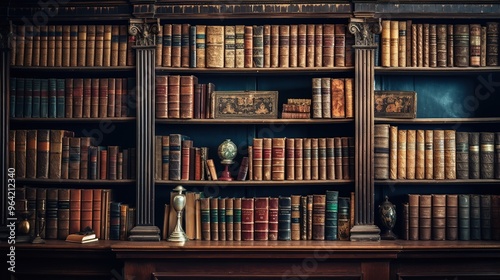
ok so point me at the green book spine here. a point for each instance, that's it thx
(36, 98)
(60, 101)
(52, 98)
(28, 97)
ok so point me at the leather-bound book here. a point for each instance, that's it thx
(344, 228)
(85, 143)
(318, 45)
(290, 159)
(326, 96)
(425, 217)
(205, 218)
(42, 152)
(31, 153)
(402, 140)
(115, 44)
(187, 96)
(487, 155)
(330, 158)
(55, 152)
(51, 214)
(247, 219)
(339, 158)
(258, 46)
(303, 217)
(426, 44)
(474, 162)
(124, 218)
(166, 52)
(450, 47)
(118, 97)
(306, 158)
(158, 157)
(86, 208)
(75, 210)
(393, 152)
(420, 45)
(215, 46)
(94, 97)
(65, 158)
(463, 217)
(402, 43)
(123, 45)
(314, 159)
(104, 97)
(328, 45)
(298, 161)
(161, 95)
(278, 159)
(62, 46)
(60, 105)
(273, 218)
(185, 44)
(293, 45)
(112, 162)
(495, 217)
(310, 45)
(96, 211)
(349, 97)
(295, 217)
(176, 45)
(258, 158)
(114, 220)
(214, 218)
(90, 45)
(414, 45)
(35, 59)
(229, 218)
(439, 157)
(284, 46)
(317, 98)
(462, 155)
(102, 163)
(275, 36)
(77, 98)
(221, 208)
(492, 44)
(475, 217)
(261, 218)
(243, 170)
(322, 158)
(68, 110)
(52, 98)
(331, 215)
(340, 45)
(497, 155)
(451, 217)
(475, 45)
(441, 41)
(438, 216)
(414, 211)
(186, 146)
(461, 45)
(174, 96)
(310, 199)
(420, 154)
(301, 45)
(74, 157)
(432, 45)
(394, 43)
(385, 53)
(485, 216)
(237, 219)
(338, 98)
(429, 154)
(239, 47)
(82, 46)
(318, 217)
(229, 46)
(349, 50)
(98, 46)
(175, 142)
(284, 218)
(20, 41)
(483, 47)
(28, 46)
(158, 49)
(450, 154)
(381, 151)
(87, 98)
(63, 206)
(405, 228)
(51, 45)
(267, 45)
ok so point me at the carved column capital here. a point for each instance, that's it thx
(144, 31)
(364, 30)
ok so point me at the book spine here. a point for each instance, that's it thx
(303, 217)
(161, 95)
(65, 158)
(402, 38)
(284, 218)
(450, 154)
(425, 217)
(441, 45)
(318, 217)
(394, 43)
(461, 45)
(475, 217)
(414, 210)
(175, 157)
(31, 153)
(185, 58)
(497, 155)
(221, 208)
(432, 45)
(318, 45)
(425, 44)
(166, 52)
(261, 218)
(273, 218)
(215, 46)
(474, 158)
(344, 227)
(299, 162)
(487, 155)
(91, 44)
(176, 45)
(43, 144)
(94, 97)
(214, 218)
(485, 216)
(98, 45)
(186, 146)
(402, 140)
(438, 216)
(174, 96)
(295, 217)
(86, 208)
(187, 86)
(247, 219)
(338, 98)
(410, 154)
(229, 46)
(51, 212)
(340, 45)
(329, 37)
(317, 98)
(158, 49)
(205, 218)
(381, 151)
(200, 45)
(239, 47)
(257, 158)
(310, 44)
(229, 218)
(267, 45)
(385, 53)
(451, 217)
(293, 46)
(258, 46)
(420, 155)
(439, 154)
(331, 215)
(20, 150)
(284, 46)
(307, 158)
(63, 213)
(463, 217)
(75, 210)
(492, 44)
(237, 219)
(475, 45)
(278, 159)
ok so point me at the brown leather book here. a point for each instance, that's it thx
(318, 217)
(451, 217)
(58, 46)
(420, 155)
(63, 213)
(104, 97)
(102, 163)
(273, 218)
(43, 146)
(174, 96)
(187, 96)
(329, 40)
(483, 46)
(247, 219)
(77, 97)
(429, 154)
(261, 218)
(425, 217)
(402, 43)
(65, 158)
(55, 153)
(158, 49)
(293, 45)
(74, 157)
(295, 217)
(310, 45)
(432, 45)
(439, 157)
(450, 154)
(339, 158)
(474, 158)
(185, 27)
(32, 41)
(381, 151)
(349, 50)
(317, 98)
(43, 48)
(21, 42)
(314, 159)
(309, 222)
(257, 46)
(301, 45)
(462, 155)
(492, 44)
(267, 45)
(290, 159)
(394, 43)
(215, 46)
(278, 159)
(51, 46)
(340, 45)
(267, 160)
(409, 42)
(497, 155)
(393, 152)
(86, 208)
(166, 52)
(85, 143)
(284, 46)
(91, 45)
(406, 222)
(420, 45)
(298, 161)
(385, 52)
(186, 144)
(161, 95)
(94, 97)
(318, 45)
(229, 46)
(176, 45)
(414, 45)
(31, 153)
(303, 217)
(123, 45)
(461, 43)
(322, 158)
(426, 44)
(99, 45)
(306, 158)
(441, 45)
(115, 44)
(221, 208)
(402, 140)
(205, 218)
(87, 98)
(118, 97)
(257, 158)
(338, 98)
(112, 162)
(487, 155)
(330, 158)
(201, 31)
(438, 216)
(450, 45)
(82, 46)
(96, 211)
(410, 153)
(229, 218)
(326, 96)
(239, 47)
(68, 110)
(75, 210)
(107, 42)
(475, 45)
(237, 219)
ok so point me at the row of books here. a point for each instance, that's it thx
(407, 44)
(254, 46)
(71, 97)
(332, 98)
(71, 45)
(70, 211)
(308, 217)
(435, 154)
(452, 217)
(58, 154)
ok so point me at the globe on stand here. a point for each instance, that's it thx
(227, 152)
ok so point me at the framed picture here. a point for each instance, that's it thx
(396, 104)
(246, 104)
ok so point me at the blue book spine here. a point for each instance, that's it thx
(13, 92)
(44, 98)
(52, 98)
(36, 98)
(60, 98)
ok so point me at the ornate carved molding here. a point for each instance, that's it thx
(144, 31)
(364, 30)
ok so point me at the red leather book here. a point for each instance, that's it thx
(187, 85)
(102, 162)
(86, 208)
(247, 219)
(318, 217)
(103, 97)
(261, 218)
(112, 162)
(75, 210)
(87, 98)
(161, 95)
(111, 97)
(267, 149)
(257, 159)
(273, 218)
(96, 211)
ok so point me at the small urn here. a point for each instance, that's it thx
(387, 212)
(178, 202)
(227, 152)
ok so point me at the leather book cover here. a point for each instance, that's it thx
(111, 97)
(74, 157)
(102, 162)
(284, 217)
(340, 45)
(261, 218)
(123, 45)
(310, 204)
(52, 94)
(284, 46)
(87, 98)
(485, 216)
(257, 158)
(158, 49)
(337, 151)
(345, 158)
(425, 217)
(293, 46)
(176, 45)
(221, 208)
(450, 46)
(257, 46)
(394, 43)
(115, 44)
(107, 42)
(118, 97)
(318, 217)
(474, 162)
(497, 155)
(65, 158)
(461, 45)
(483, 47)
(75, 210)
(338, 98)
(475, 45)
(68, 110)
(174, 96)
(414, 45)
(55, 152)
(98, 45)
(314, 158)
(247, 219)
(303, 217)
(439, 157)
(77, 97)
(157, 157)
(290, 159)
(492, 44)
(114, 220)
(20, 41)
(411, 138)
(81, 49)
(112, 162)
(237, 219)
(349, 50)
(317, 98)
(42, 150)
(295, 217)
(94, 97)
(205, 218)
(51, 213)
(432, 45)
(393, 152)
(186, 164)
(229, 46)
(450, 154)
(51, 46)
(166, 52)
(103, 97)
(299, 162)
(31, 153)
(402, 138)
(214, 218)
(35, 57)
(278, 159)
(215, 46)
(438, 216)
(86, 208)
(420, 155)
(187, 96)
(267, 45)
(201, 31)
(302, 45)
(349, 97)
(239, 47)
(381, 151)
(60, 100)
(330, 158)
(310, 44)
(475, 217)
(85, 143)
(414, 210)
(329, 37)
(406, 222)
(185, 44)
(462, 155)
(267, 158)
(63, 213)
(306, 158)
(12, 151)
(344, 228)
(331, 215)
(409, 42)
(487, 155)
(426, 45)
(463, 217)
(402, 38)
(175, 156)
(441, 45)
(96, 211)
(420, 45)
(429, 154)
(28, 98)
(28, 46)
(124, 218)
(229, 202)
(385, 52)
(161, 95)
(451, 217)
(91, 40)
(318, 45)
(326, 97)
(273, 218)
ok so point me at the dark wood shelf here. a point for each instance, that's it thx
(74, 181)
(256, 71)
(435, 70)
(439, 182)
(253, 121)
(73, 69)
(258, 183)
(72, 120)
(434, 121)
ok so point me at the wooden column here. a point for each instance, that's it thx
(4, 128)
(363, 29)
(145, 31)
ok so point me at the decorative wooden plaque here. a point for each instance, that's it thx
(396, 104)
(246, 104)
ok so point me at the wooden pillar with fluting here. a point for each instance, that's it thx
(4, 130)
(364, 29)
(145, 31)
